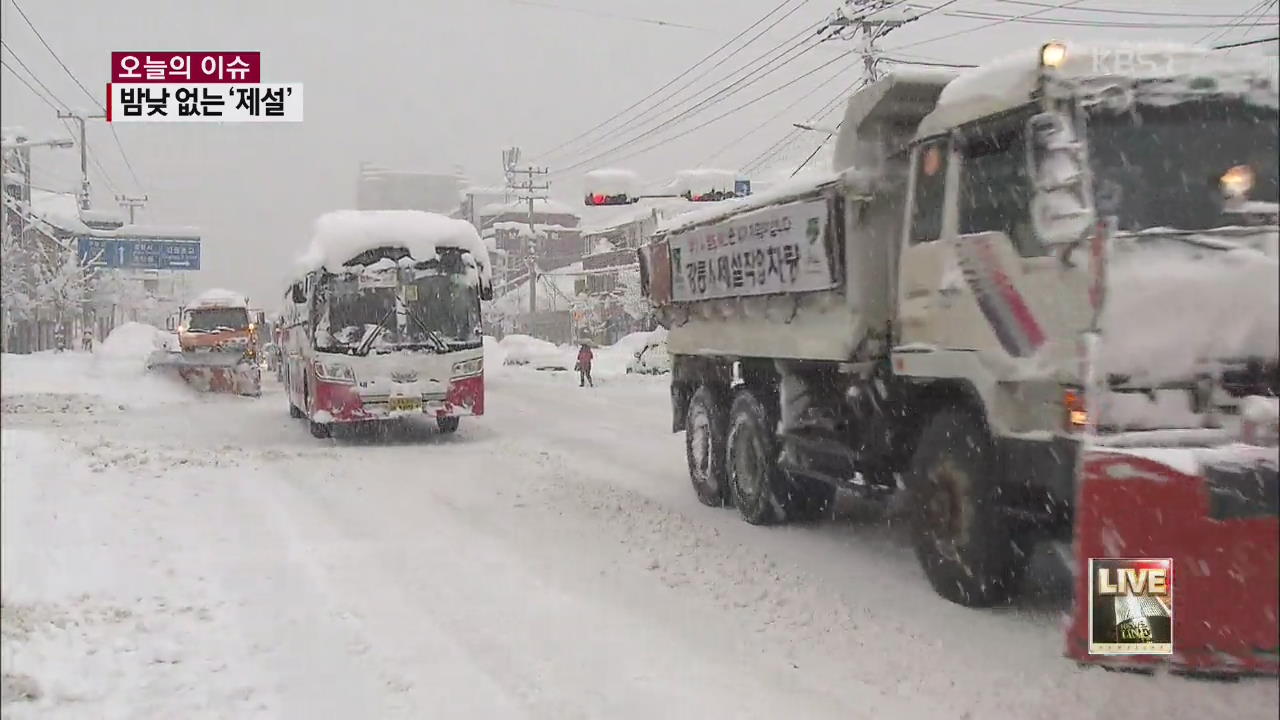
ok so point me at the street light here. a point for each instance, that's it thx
(56, 142)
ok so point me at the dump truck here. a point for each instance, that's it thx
(922, 320)
(218, 346)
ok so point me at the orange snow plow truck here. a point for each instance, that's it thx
(1036, 302)
(218, 348)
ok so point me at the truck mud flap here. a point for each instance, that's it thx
(1221, 530)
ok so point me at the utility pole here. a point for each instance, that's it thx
(529, 191)
(132, 202)
(869, 21)
(84, 153)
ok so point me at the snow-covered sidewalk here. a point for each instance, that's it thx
(170, 555)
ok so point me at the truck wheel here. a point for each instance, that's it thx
(448, 424)
(962, 539)
(752, 468)
(294, 412)
(319, 430)
(705, 428)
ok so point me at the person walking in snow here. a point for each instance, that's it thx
(584, 366)
(86, 340)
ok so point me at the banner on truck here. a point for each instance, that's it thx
(772, 250)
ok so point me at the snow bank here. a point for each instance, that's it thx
(528, 350)
(132, 342)
(610, 181)
(1171, 308)
(216, 297)
(340, 236)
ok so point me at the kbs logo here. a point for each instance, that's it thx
(1130, 606)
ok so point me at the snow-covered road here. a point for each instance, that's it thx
(169, 555)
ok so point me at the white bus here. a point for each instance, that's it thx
(383, 320)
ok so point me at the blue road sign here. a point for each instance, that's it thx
(140, 253)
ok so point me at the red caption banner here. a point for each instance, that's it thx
(186, 67)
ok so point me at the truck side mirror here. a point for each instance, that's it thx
(169, 324)
(1062, 208)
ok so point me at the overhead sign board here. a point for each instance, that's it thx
(772, 250)
(137, 253)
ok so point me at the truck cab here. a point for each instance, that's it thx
(974, 232)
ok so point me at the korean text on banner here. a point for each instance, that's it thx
(225, 102)
(201, 68)
(772, 250)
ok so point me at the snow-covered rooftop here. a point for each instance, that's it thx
(341, 235)
(700, 180)
(1009, 82)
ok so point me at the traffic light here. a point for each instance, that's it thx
(713, 196)
(595, 199)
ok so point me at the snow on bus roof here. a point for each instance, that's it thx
(218, 297)
(344, 234)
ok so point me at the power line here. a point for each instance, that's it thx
(70, 74)
(613, 16)
(666, 98)
(127, 163)
(668, 84)
(1059, 6)
(35, 77)
(715, 99)
(794, 134)
(1259, 41)
(1239, 19)
(749, 68)
(1110, 11)
(30, 87)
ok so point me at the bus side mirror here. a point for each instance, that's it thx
(296, 294)
(1062, 208)
(486, 291)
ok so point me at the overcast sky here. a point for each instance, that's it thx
(436, 83)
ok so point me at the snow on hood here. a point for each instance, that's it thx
(340, 236)
(220, 298)
(1172, 306)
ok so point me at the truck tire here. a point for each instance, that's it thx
(705, 431)
(448, 424)
(294, 412)
(751, 466)
(963, 541)
(319, 430)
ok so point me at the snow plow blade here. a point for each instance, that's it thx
(1214, 513)
(216, 372)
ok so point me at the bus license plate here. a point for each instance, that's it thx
(408, 403)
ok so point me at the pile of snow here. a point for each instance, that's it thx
(215, 298)
(611, 181)
(612, 360)
(115, 372)
(1171, 308)
(132, 342)
(340, 236)
(537, 353)
(495, 356)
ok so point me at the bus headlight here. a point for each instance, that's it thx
(334, 372)
(467, 368)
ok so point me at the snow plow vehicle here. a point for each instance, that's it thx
(218, 348)
(383, 322)
(920, 320)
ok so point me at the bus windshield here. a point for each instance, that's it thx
(397, 308)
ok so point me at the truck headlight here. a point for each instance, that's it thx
(466, 368)
(1237, 182)
(334, 372)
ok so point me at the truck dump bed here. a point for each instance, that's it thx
(804, 271)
